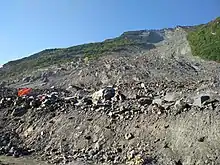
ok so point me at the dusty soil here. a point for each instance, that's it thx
(4, 160)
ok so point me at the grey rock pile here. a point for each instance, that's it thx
(36, 115)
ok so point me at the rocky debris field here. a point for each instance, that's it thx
(155, 123)
(155, 107)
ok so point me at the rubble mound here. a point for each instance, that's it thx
(143, 123)
(154, 106)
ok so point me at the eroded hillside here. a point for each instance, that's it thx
(147, 101)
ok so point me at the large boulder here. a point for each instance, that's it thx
(104, 94)
(201, 99)
(108, 93)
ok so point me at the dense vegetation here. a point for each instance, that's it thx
(56, 56)
(205, 40)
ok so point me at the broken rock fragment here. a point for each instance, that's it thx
(171, 97)
(144, 101)
(108, 93)
(129, 136)
(201, 99)
(180, 105)
(19, 111)
(96, 97)
(157, 101)
(103, 94)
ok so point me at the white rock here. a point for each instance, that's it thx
(97, 96)
(69, 88)
(170, 97)
(199, 100)
(69, 98)
(157, 101)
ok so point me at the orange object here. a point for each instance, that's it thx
(24, 91)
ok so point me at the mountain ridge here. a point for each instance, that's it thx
(124, 33)
(130, 41)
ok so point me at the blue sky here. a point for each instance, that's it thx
(29, 26)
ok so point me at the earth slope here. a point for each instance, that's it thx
(167, 112)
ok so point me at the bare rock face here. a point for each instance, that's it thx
(145, 36)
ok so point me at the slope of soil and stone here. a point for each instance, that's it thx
(157, 106)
